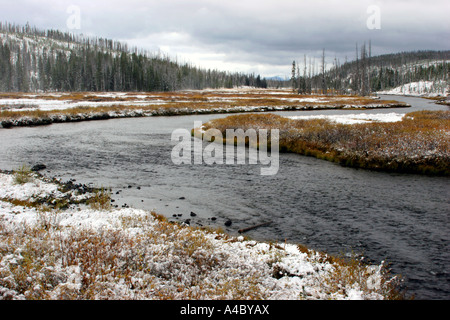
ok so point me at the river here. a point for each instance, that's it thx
(402, 219)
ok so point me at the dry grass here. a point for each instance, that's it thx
(100, 261)
(171, 103)
(132, 254)
(101, 200)
(166, 261)
(23, 175)
(420, 143)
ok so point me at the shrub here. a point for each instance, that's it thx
(23, 175)
(101, 200)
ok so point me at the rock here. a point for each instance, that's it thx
(6, 124)
(38, 167)
(193, 214)
(228, 223)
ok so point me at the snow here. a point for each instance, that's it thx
(356, 118)
(28, 104)
(34, 189)
(420, 89)
(230, 261)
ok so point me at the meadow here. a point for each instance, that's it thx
(25, 109)
(420, 143)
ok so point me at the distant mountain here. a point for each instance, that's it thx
(276, 78)
(33, 60)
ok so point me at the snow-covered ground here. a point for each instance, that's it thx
(150, 259)
(356, 118)
(29, 104)
(420, 89)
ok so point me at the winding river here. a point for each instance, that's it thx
(401, 219)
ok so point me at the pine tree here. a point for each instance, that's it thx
(294, 77)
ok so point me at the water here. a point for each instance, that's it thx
(398, 218)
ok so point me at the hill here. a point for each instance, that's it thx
(33, 60)
(411, 73)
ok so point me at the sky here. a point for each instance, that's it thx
(249, 36)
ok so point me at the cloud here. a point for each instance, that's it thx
(248, 35)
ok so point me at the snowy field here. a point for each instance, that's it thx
(30, 103)
(82, 253)
(356, 118)
(420, 89)
(239, 98)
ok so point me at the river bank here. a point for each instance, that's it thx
(22, 109)
(419, 143)
(88, 251)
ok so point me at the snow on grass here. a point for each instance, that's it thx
(356, 118)
(81, 253)
(28, 104)
(33, 189)
(420, 89)
(418, 143)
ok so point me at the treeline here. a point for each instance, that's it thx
(367, 74)
(33, 60)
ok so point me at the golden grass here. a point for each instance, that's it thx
(99, 262)
(420, 143)
(101, 200)
(168, 103)
(157, 259)
(23, 175)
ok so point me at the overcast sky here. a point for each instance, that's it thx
(259, 36)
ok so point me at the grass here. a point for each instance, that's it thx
(95, 198)
(23, 175)
(101, 200)
(418, 144)
(142, 255)
(164, 261)
(171, 103)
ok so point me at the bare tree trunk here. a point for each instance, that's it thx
(324, 84)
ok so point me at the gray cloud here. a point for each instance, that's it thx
(248, 35)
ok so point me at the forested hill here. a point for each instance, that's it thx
(428, 70)
(33, 60)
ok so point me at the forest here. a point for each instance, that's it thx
(367, 74)
(32, 60)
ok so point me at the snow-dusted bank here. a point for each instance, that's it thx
(356, 118)
(420, 89)
(85, 253)
(416, 142)
(42, 109)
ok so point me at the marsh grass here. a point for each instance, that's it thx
(142, 255)
(23, 175)
(172, 103)
(164, 261)
(101, 200)
(418, 144)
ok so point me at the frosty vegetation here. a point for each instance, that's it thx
(420, 143)
(21, 109)
(88, 251)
